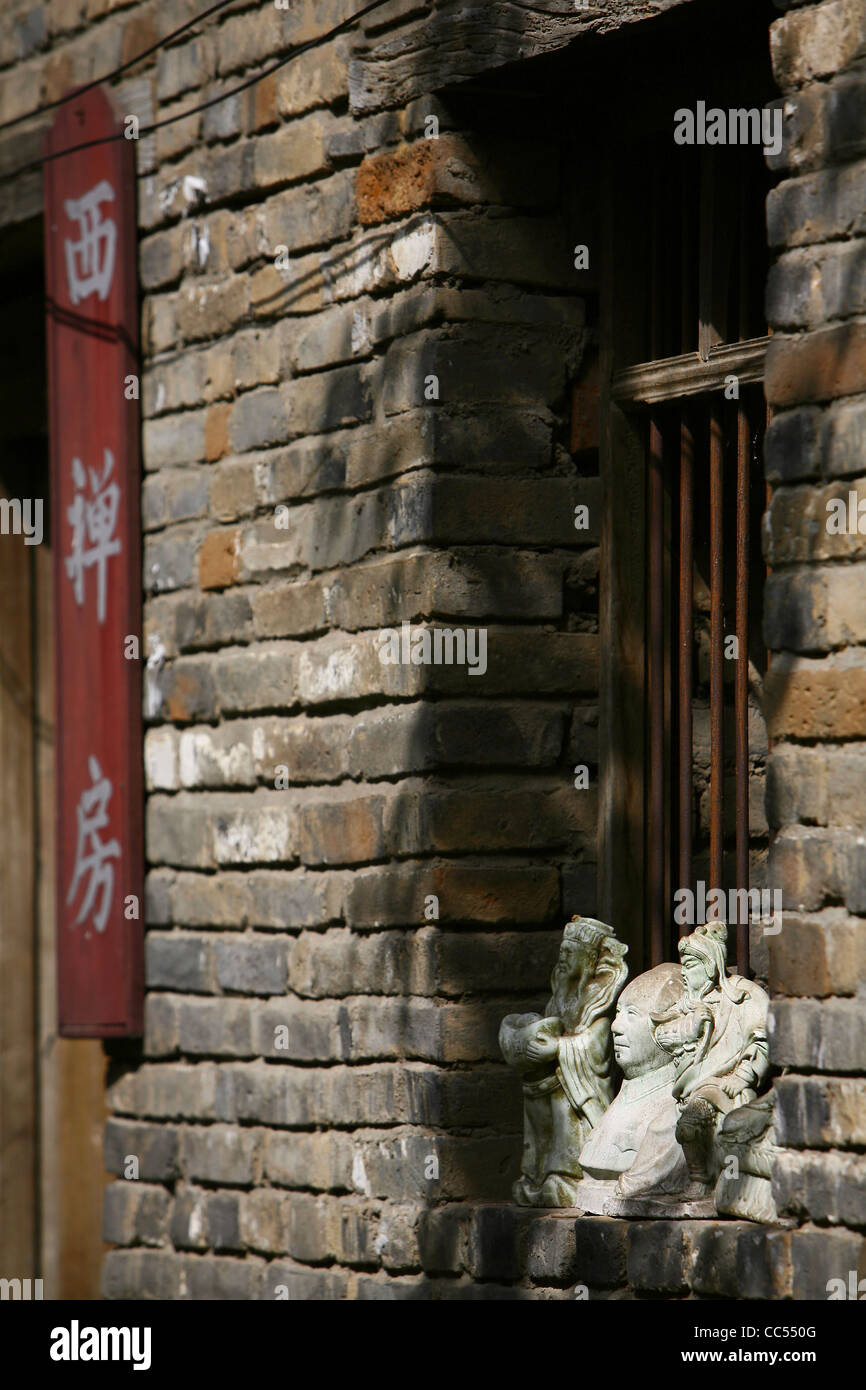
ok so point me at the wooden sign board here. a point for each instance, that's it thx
(92, 344)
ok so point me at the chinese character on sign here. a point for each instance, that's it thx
(90, 260)
(91, 855)
(92, 521)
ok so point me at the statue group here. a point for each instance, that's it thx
(689, 1131)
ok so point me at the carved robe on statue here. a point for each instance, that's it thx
(565, 1061)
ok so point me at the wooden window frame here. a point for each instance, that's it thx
(632, 680)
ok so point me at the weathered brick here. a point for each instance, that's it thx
(808, 287)
(449, 170)
(312, 214)
(818, 206)
(214, 1277)
(829, 1035)
(251, 966)
(843, 439)
(821, 1256)
(141, 1274)
(823, 1187)
(820, 1112)
(817, 366)
(818, 699)
(818, 956)
(257, 678)
(258, 419)
(380, 897)
(218, 1027)
(135, 1213)
(289, 1281)
(178, 961)
(173, 440)
(154, 1146)
(221, 1154)
(210, 310)
(764, 1263)
(796, 526)
(167, 1091)
(204, 830)
(816, 42)
(815, 609)
(658, 1255)
(219, 559)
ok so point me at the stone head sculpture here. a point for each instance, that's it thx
(633, 1028)
(704, 955)
(634, 1147)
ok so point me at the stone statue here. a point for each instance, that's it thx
(634, 1148)
(565, 1061)
(745, 1187)
(715, 1034)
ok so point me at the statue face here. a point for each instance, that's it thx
(634, 1046)
(696, 973)
(570, 965)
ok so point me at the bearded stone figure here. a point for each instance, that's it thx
(565, 1060)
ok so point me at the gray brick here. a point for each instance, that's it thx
(328, 400)
(220, 1027)
(843, 439)
(189, 1219)
(141, 1274)
(223, 1226)
(657, 1255)
(828, 1036)
(223, 1154)
(173, 440)
(258, 419)
(249, 966)
(258, 678)
(155, 1146)
(821, 1256)
(820, 1112)
(135, 1213)
(177, 962)
(551, 1246)
(311, 215)
(290, 1281)
(214, 1277)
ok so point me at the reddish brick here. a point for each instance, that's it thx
(216, 432)
(219, 559)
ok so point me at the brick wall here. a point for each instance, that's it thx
(318, 1107)
(815, 619)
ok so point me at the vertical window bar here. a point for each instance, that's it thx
(741, 682)
(655, 681)
(717, 638)
(684, 665)
(741, 672)
(685, 615)
(655, 596)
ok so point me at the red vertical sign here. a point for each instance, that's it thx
(92, 335)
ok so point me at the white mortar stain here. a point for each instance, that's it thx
(413, 251)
